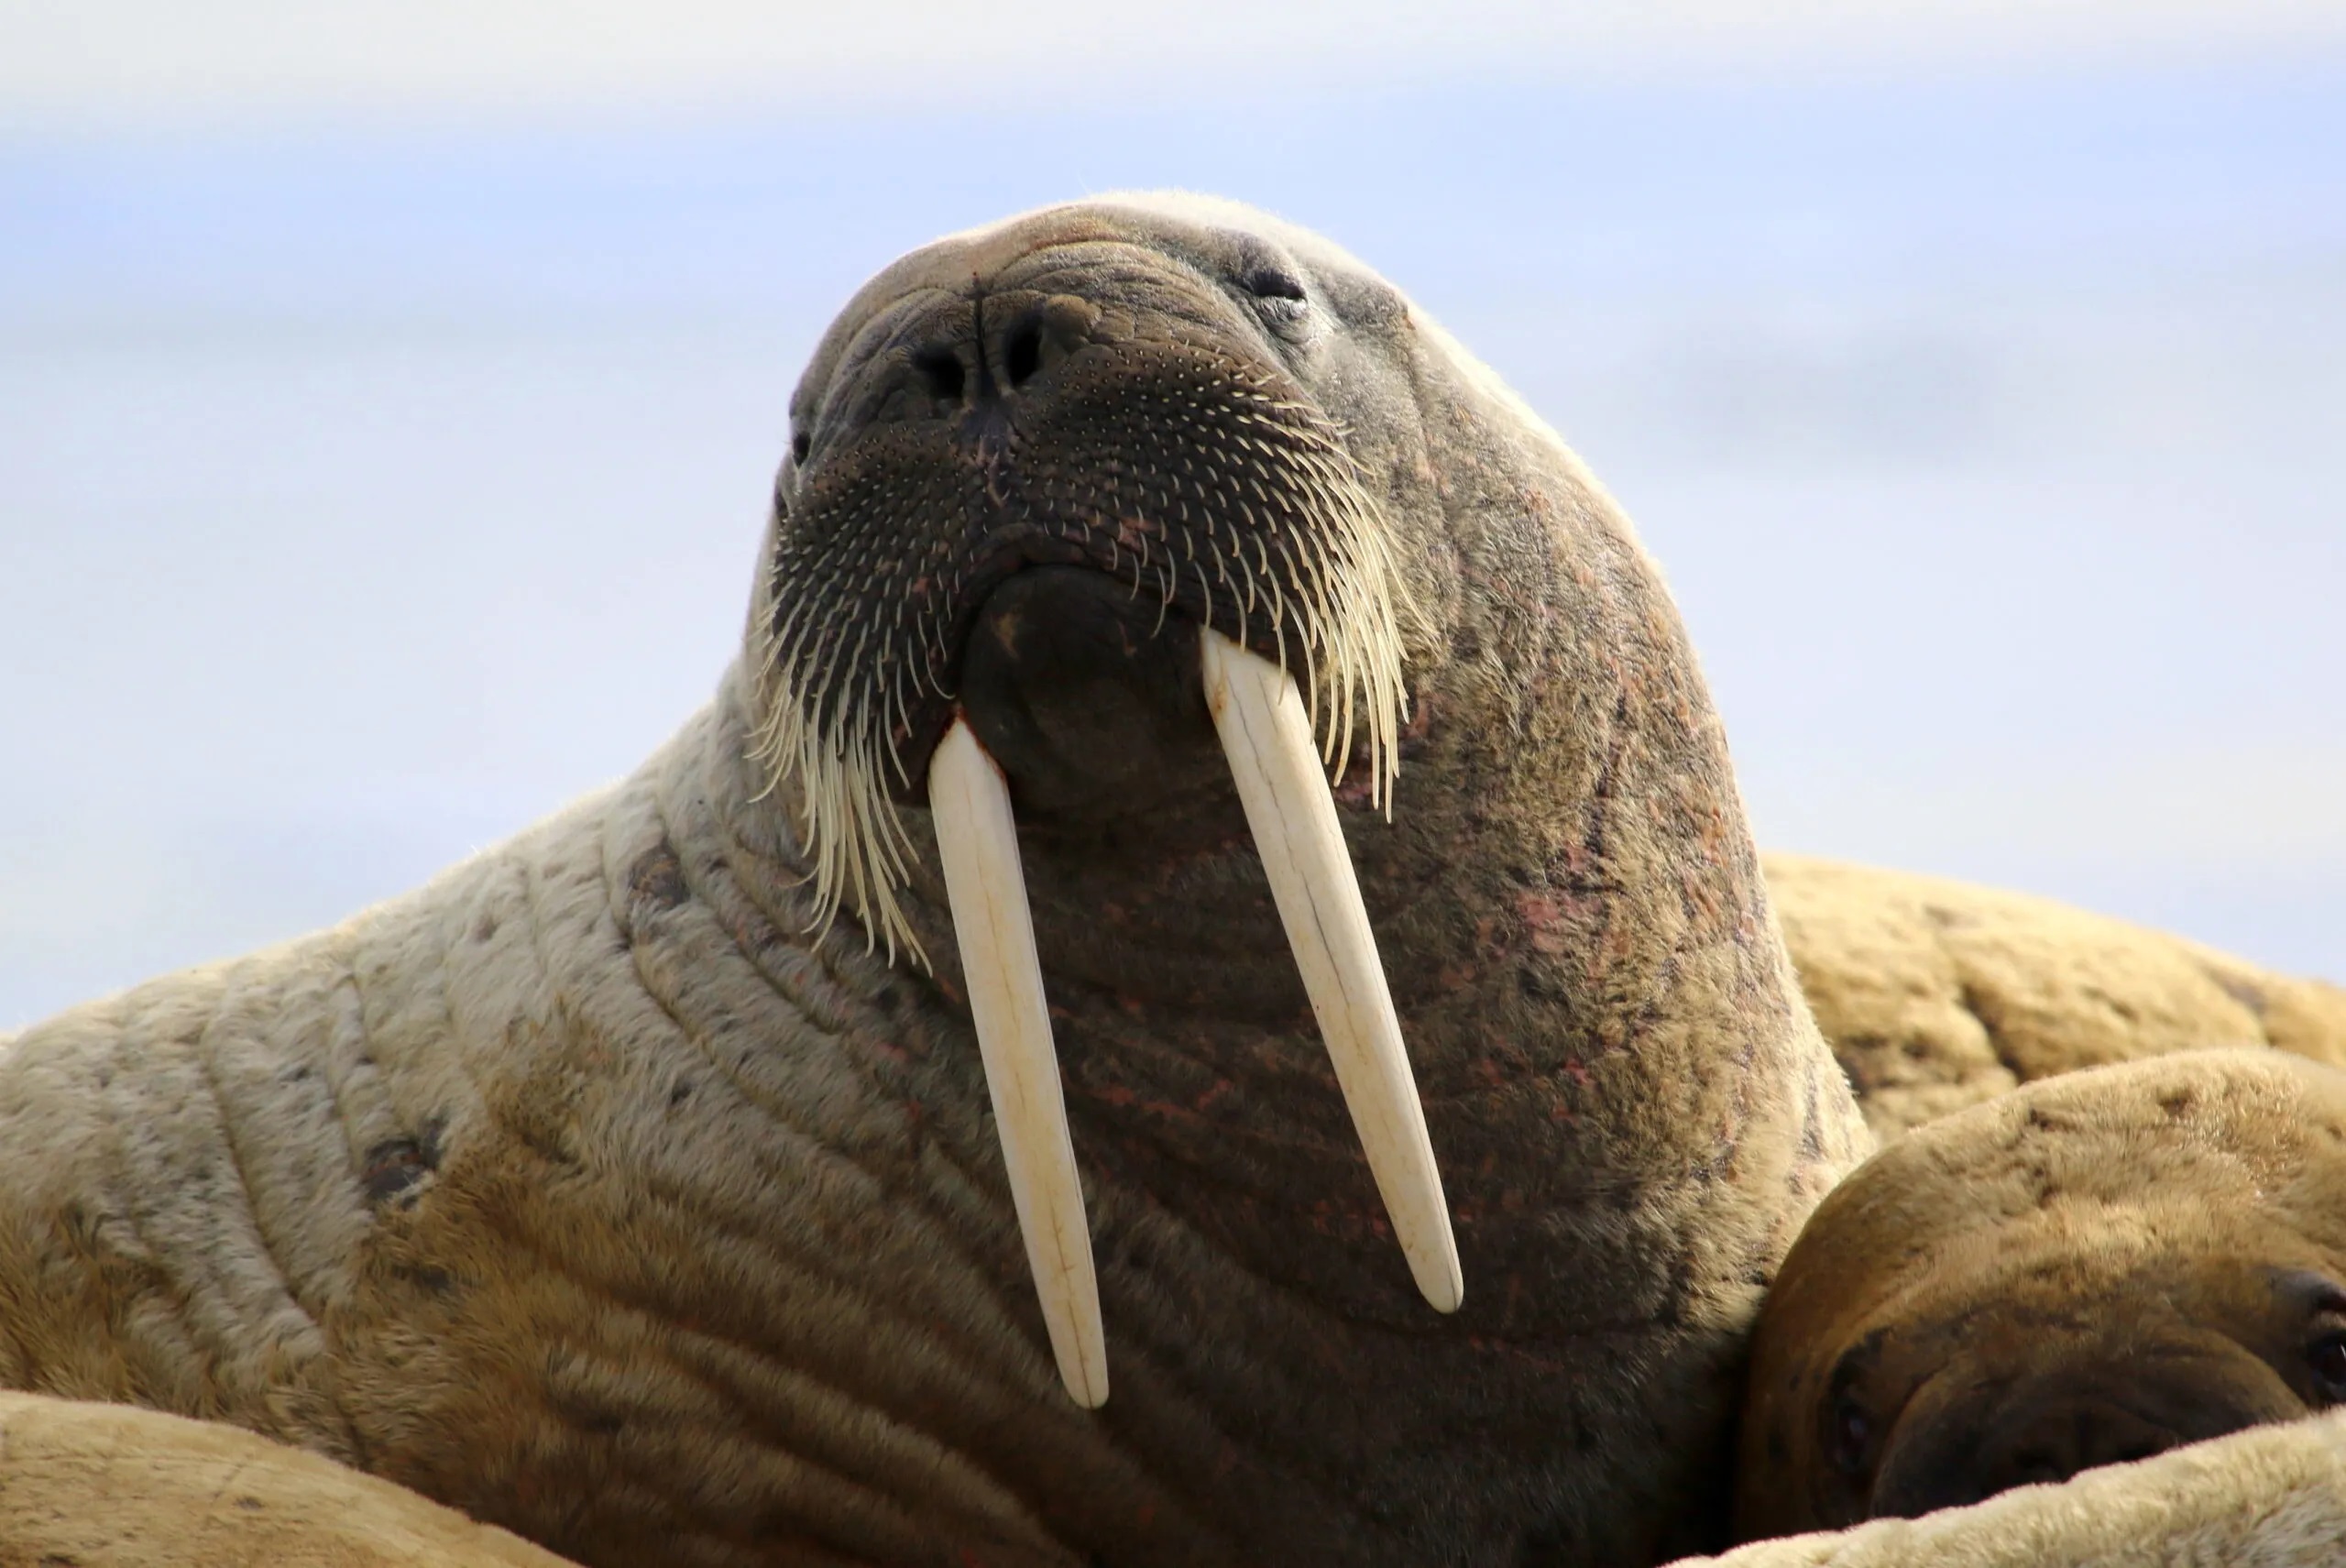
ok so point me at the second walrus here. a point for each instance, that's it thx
(2088, 1271)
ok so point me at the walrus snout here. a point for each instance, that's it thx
(1083, 389)
(2122, 1406)
(2053, 1439)
(1088, 698)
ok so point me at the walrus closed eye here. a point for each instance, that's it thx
(1014, 426)
(2090, 1270)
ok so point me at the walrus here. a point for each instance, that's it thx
(639, 1184)
(2091, 1270)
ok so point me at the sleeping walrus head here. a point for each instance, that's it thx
(2092, 1269)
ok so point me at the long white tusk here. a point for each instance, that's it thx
(1267, 737)
(978, 842)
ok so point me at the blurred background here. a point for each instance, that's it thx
(389, 395)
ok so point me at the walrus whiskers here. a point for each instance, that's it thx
(826, 704)
(977, 843)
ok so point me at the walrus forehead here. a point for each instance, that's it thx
(2042, 1297)
(1190, 249)
(2007, 1284)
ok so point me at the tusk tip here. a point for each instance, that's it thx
(1441, 1281)
(1083, 1368)
(1079, 1349)
(1087, 1396)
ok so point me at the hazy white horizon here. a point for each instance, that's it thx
(381, 459)
(157, 65)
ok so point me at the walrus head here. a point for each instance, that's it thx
(1109, 536)
(1157, 409)
(2091, 1270)
(1056, 494)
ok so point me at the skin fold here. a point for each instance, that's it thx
(615, 1188)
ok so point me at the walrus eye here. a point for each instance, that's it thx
(1272, 283)
(1851, 1438)
(1279, 298)
(2327, 1356)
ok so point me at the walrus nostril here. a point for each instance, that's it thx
(1023, 354)
(2061, 1441)
(2037, 1464)
(1042, 336)
(940, 373)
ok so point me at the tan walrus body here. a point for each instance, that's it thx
(87, 1485)
(586, 1189)
(2090, 1270)
(1939, 994)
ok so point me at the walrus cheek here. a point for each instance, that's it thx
(1266, 739)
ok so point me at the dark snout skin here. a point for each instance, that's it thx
(2093, 1270)
(1090, 698)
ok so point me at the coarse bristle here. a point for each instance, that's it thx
(1319, 566)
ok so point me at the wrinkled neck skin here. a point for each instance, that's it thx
(1631, 1109)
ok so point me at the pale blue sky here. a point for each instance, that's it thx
(372, 482)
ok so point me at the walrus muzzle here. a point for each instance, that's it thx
(1146, 434)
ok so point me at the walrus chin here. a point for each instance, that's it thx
(1015, 426)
